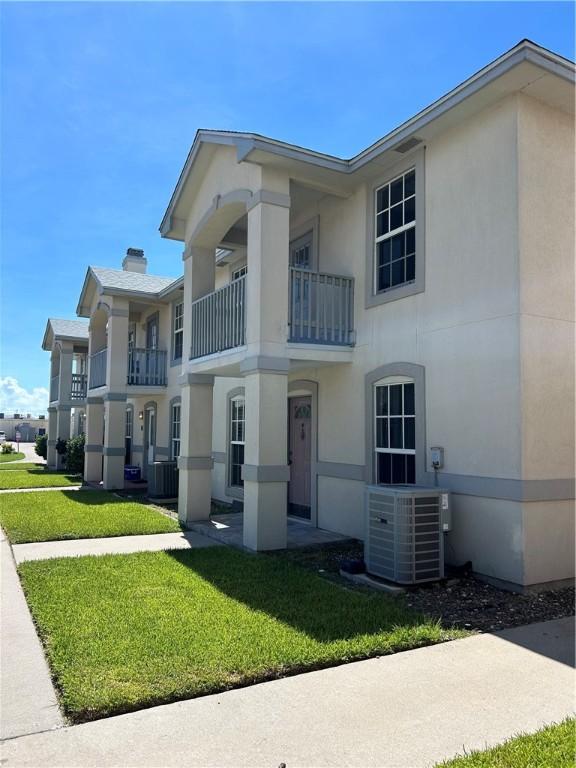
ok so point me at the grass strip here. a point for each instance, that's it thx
(553, 746)
(6, 458)
(58, 515)
(23, 465)
(37, 478)
(124, 632)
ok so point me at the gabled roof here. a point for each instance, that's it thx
(527, 67)
(69, 330)
(122, 282)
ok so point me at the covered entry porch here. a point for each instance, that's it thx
(228, 528)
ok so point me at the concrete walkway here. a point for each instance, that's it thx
(411, 709)
(30, 455)
(50, 488)
(28, 703)
(113, 545)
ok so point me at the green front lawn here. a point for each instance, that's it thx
(7, 457)
(127, 631)
(37, 478)
(22, 465)
(552, 747)
(77, 515)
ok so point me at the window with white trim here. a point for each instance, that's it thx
(237, 436)
(175, 431)
(395, 431)
(240, 272)
(395, 231)
(301, 252)
(129, 418)
(178, 331)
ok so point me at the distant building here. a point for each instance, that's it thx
(28, 427)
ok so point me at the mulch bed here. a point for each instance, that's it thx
(464, 602)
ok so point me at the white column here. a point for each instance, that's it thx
(117, 344)
(65, 380)
(267, 278)
(52, 436)
(195, 460)
(114, 435)
(266, 472)
(63, 414)
(94, 438)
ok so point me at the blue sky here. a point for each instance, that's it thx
(100, 102)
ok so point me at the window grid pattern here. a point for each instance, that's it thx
(395, 433)
(237, 436)
(175, 431)
(129, 415)
(396, 232)
(178, 330)
(240, 272)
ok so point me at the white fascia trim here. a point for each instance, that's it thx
(246, 143)
(178, 283)
(81, 309)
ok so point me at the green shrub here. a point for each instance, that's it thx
(8, 448)
(61, 446)
(74, 459)
(41, 446)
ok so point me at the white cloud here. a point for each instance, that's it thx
(17, 399)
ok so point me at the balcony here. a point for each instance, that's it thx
(147, 367)
(78, 390)
(321, 311)
(321, 308)
(98, 369)
(219, 320)
(54, 388)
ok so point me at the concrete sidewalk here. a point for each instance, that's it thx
(28, 702)
(49, 488)
(113, 545)
(411, 709)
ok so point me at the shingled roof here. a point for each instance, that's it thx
(60, 328)
(121, 280)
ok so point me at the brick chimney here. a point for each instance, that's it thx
(134, 261)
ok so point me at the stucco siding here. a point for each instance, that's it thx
(489, 533)
(546, 214)
(548, 541)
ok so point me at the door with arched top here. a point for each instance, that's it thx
(299, 456)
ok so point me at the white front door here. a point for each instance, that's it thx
(151, 436)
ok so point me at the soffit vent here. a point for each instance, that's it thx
(407, 145)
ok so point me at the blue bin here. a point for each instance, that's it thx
(131, 473)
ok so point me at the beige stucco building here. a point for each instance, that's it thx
(339, 318)
(67, 341)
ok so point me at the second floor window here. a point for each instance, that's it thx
(178, 330)
(240, 272)
(395, 230)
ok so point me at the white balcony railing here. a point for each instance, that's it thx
(147, 367)
(98, 369)
(78, 390)
(321, 311)
(219, 320)
(321, 308)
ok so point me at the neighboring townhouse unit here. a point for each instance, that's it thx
(338, 319)
(132, 406)
(418, 295)
(67, 341)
